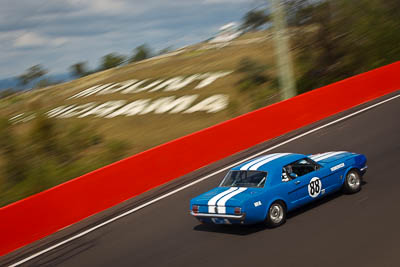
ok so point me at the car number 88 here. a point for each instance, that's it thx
(314, 187)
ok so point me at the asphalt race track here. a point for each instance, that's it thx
(339, 230)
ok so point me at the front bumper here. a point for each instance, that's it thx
(363, 170)
(217, 215)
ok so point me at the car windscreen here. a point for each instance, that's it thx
(244, 179)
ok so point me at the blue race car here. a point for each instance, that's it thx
(266, 188)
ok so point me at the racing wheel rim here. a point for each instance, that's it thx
(276, 213)
(353, 180)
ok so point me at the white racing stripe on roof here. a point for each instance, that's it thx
(214, 199)
(247, 166)
(221, 203)
(329, 155)
(314, 157)
(259, 164)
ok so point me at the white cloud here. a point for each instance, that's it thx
(9, 35)
(58, 41)
(58, 33)
(31, 39)
(107, 7)
(224, 1)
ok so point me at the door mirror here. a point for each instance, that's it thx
(293, 175)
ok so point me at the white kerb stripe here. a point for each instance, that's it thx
(247, 166)
(214, 199)
(314, 157)
(330, 155)
(221, 203)
(256, 166)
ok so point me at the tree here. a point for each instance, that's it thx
(7, 92)
(6, 140)
(165, 50)
(45, 82)
(43, 134)
(254, 19)
(373, 34)
(331, 52)
(31, 74)
(299, 12)
(79, 69)
(140, 53)
(111, 60)
(253, 74)
(15, 162)
(256, 82)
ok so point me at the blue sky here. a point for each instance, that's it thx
(59, 33)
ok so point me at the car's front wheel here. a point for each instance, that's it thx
(276, 214)
(352, 183)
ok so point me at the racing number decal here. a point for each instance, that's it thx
(314, 187)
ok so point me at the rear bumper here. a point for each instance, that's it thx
(216, 215)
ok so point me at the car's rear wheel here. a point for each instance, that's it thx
(352, 183)
(276, 214)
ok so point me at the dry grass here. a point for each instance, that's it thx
(141, 132)
(145, 131)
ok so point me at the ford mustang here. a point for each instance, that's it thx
(266, 188)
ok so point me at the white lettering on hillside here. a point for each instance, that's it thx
(57, 111)
(90, 91)
(211, 104)
(211, 78)
(176, 83)
(77, 110)
(135, 86)
(170, 104)
(147, 87)
(117, 87)
(131, 109)
(104, 109)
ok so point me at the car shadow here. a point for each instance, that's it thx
(238, 229)
(318, 203)
(234, 229)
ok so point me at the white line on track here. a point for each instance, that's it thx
(196, 182)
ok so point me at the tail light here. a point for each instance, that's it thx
(195, 208)
(238, 210)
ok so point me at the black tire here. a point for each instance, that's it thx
(352, 182)
(276, 215)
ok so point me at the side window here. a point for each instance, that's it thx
(298, 168)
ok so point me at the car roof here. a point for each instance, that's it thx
(269, 162)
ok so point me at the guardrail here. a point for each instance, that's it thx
(42, 214)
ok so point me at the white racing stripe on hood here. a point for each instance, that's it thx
(314, 157)
(211, 203)
(221, 203)
(247, 166)
(329, 155)
(256, 166)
